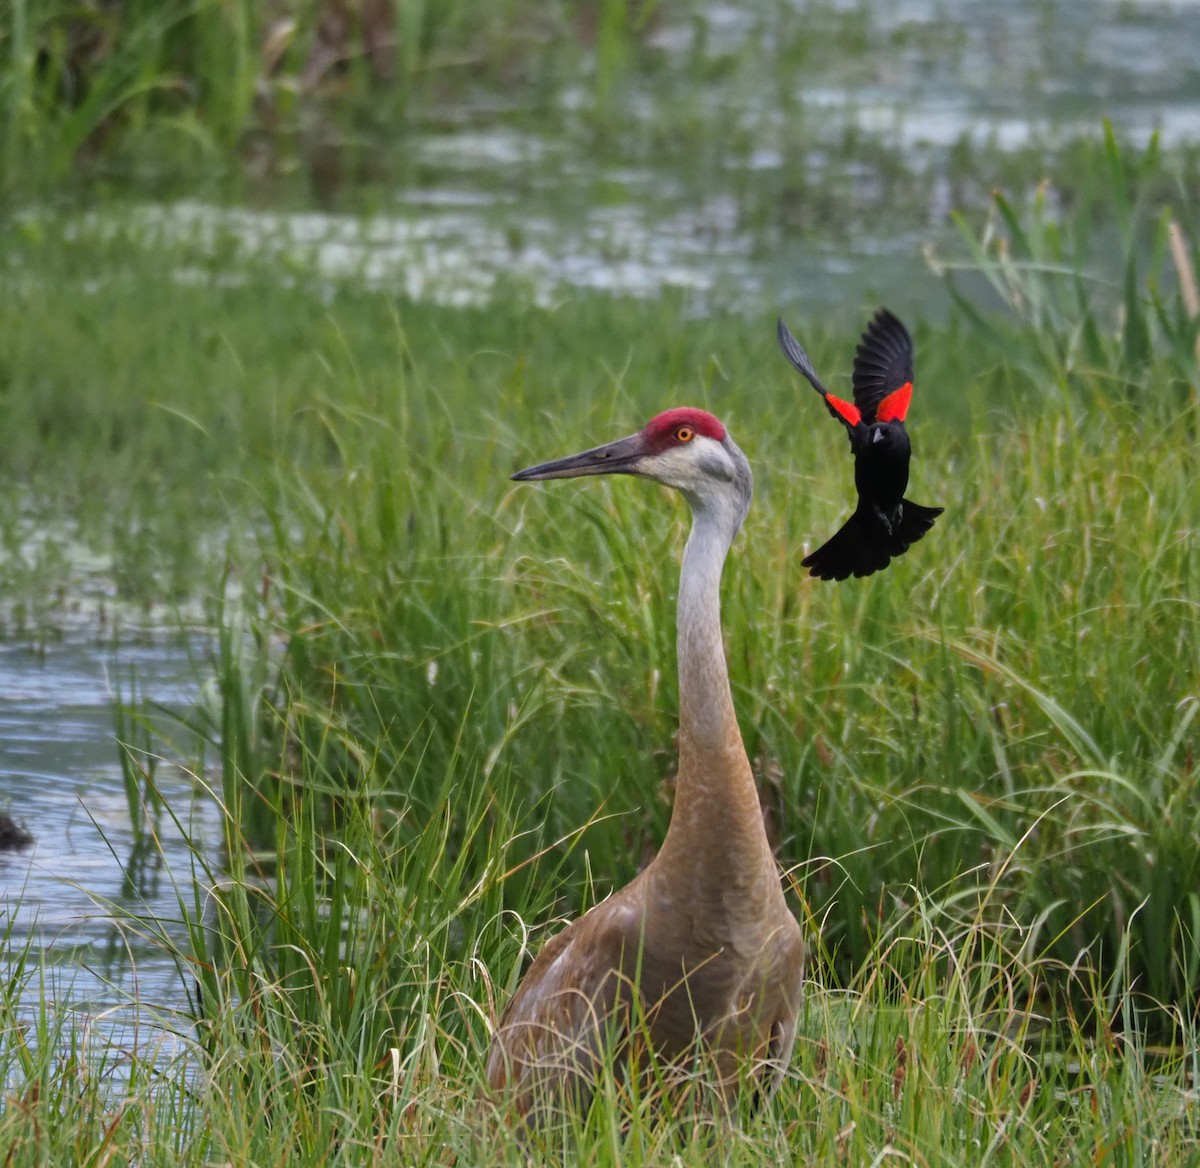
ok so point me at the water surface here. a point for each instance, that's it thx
(798, 155)
(75, 895)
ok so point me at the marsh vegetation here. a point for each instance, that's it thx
(437, 710)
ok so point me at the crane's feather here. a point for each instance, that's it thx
(550, 1040)
(576, 1006)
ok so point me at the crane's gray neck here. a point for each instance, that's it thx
(716, 836)
(716, 830)
(706, 716)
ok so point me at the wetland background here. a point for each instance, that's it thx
(310, 708)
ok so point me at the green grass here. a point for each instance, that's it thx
(442, 705)
(344, 1020)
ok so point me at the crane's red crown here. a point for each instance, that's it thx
(672, 427)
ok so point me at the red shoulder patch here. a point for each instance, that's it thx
(847, 410)
(660, 431)
(893, 407)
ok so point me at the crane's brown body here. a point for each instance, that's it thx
(700, 952)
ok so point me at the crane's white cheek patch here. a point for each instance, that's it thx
(688, 466)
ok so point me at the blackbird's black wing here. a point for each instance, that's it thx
(795, 353)
(883, 363)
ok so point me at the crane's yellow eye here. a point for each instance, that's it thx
(684, 434)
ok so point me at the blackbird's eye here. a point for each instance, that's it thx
(684, 433)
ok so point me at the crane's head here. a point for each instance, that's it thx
(685, 448)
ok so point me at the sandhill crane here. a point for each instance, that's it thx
(702, 940)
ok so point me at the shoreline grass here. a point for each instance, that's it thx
(345, 1010)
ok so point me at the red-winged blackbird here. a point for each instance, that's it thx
(884, 523)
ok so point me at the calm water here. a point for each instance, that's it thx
(798, 155)
(832, 170)
(83, 884)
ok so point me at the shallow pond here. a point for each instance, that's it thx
(798, 155)
(75, 894)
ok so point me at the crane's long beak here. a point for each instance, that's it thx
(621, 457)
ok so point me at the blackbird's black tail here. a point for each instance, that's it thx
(915, 521)
(856, 550)
(864, 545)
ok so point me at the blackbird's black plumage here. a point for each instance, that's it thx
(884, 524)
